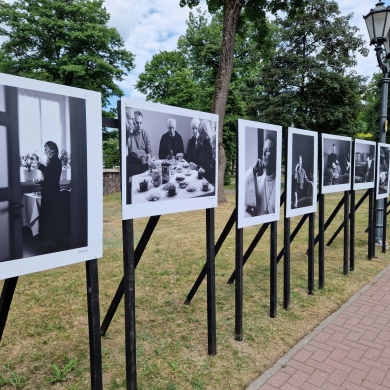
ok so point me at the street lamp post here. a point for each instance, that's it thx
(378, 23)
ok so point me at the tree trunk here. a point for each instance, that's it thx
(232, 12)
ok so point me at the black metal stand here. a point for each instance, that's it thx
(95, 350)
(6, 300)
(356, 207)
(211, 305)
(238, 285)
(384, 227)
(273, 270)
(346, 233)
(286, 238)
(129, 292)
(310, 271)
(152, 223)
(321, 245)
(218, 245)
(95, 346)
(370, 223)
(352, 232)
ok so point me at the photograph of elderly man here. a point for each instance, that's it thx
(138, 152)
(193, 141)
(302, 186)
(171, 143)
(260, 180)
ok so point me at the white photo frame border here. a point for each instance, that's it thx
(290, 212)
(366, 185)
(329, 189)
(243, 222)
(94, 250)
(148, 209)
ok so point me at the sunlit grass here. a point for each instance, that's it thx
(47, 325)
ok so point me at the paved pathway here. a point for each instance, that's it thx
(349, 350)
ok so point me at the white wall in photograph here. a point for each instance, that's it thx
(302, 168)
(382, 183)
(49, 218)
(336, 163)
(259, 172)
(169, 159)
(364, 164)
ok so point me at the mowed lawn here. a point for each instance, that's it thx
(45, 343)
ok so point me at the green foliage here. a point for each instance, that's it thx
(111, 153)
(61, 374)
(63, 41)
(186, 77)
(308, 82)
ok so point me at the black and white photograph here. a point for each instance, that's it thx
(259, 164)
(51, 182)
(336, 163)
(382, 170)
(364, 164)
(302, 167)
(168, 159)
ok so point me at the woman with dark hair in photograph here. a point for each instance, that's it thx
(49, 216)
(203, 160)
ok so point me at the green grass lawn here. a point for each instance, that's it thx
(45, 343)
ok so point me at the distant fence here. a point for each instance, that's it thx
(111, 181)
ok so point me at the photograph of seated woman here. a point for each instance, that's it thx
(260, 182)
(383, 177)
(51, 220)
(302, 187)
(202, 158)
(337, 162)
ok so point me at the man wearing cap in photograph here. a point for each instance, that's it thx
(260, 182)
(171, 143)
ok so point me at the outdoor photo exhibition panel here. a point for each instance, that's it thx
(382, 171)
(51, 202)
(169, 162)
(259, 164)
(336, 163)
(364, 167)
(302, 163)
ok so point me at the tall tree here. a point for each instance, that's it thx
(309, 83)
(63, 41)
(186, 77)
(234, 13)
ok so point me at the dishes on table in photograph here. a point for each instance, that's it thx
(204, 189)
(147, 189)
(188, 173)
(179, 178)
(179, 169)
(153, 197)
(170, 195)
(185, 165)
(191, 189)
(183, 184)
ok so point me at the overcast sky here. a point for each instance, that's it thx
(148, 26)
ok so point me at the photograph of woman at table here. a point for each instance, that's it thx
(203, 158)
(50, 218)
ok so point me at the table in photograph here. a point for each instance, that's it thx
(192, 190)
(30, 213)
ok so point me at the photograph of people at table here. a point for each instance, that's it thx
(170, 161)
(382, 190)
(336, 163)
(364, 164)
(302, 162)
(259, 172)
(52, 168)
